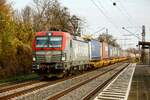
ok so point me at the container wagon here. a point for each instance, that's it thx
(95, 53)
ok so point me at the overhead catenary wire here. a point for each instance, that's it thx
(103, 13)
(131, 18)
(100, 6)
(125, 13)
(128, 16)
(99, 30)
(131, 33)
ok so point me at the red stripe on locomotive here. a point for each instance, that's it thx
(63, 34)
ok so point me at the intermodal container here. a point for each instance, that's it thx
(115, 52)
(104, 50)
(124, 53)
(120, 52)
(110, 51)
(95, 49)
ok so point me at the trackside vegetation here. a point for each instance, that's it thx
(17, 29)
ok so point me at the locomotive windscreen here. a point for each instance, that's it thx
(49, 42)
(55, 42)
(42, 42)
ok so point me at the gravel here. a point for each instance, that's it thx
(21, 89)
(79, 93)
(51, 90)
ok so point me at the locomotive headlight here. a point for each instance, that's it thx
(38, 66)
(49, 34)
(34, 59)
(63, 58)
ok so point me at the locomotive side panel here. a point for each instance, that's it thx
(80, 52)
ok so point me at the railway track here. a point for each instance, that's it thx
(9, 87)
(80, 90)
(17, 83)
(4, 84)
(46, 90)
(23, 88)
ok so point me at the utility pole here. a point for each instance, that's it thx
(143, 33)
(106, 30)
(143, 40)
(142, 58)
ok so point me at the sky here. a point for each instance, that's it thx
(99, 14)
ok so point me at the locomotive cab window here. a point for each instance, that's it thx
(42, 42)
(55, 42)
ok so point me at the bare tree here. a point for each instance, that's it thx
(134, 51)
(109, 39)
(27, 15)
(50, 15)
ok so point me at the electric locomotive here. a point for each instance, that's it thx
(56, 54)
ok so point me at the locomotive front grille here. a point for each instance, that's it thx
(48, 56)
(55, 58)
(41, 58)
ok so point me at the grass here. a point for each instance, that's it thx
(19, 78)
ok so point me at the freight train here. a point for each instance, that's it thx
(57, 54)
